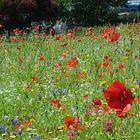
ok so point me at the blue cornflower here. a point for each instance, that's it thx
(103, 88)
(14, 121)
(138, 82)
(36, 137)
(5, 117)
(38, 94)
(63, 91)
(74, 108)
(3, 128)
(53, 91)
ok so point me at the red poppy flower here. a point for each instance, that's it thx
(58, 37)
(85, 97)
(71, 31)
(17, 47)
(79, 40)
(41, 58)
(22, 40)
(106, 57)
(121, 66)
(136, 57)
(105, 35)
(71, 122)
(17, 31)
(64, 45)
(57, 65)
(56, 102)
(128, 50)
(35, 78)
(106, 64)
(122, 113)
(114, 38)
(118, 96)
(21, 60)
(107, 32)
(107, 109)
(100, 76)
(76, 126)
(23, 125)
(14, 38)
(78, 29)
(73, 62)
(137, 99)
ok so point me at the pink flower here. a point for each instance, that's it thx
(71, 133)
(96, 101)
(108, 126)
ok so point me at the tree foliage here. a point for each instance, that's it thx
(90, 12)
(15, 13)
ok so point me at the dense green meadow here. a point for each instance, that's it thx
(52, 88)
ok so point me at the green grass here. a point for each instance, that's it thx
(35, 104)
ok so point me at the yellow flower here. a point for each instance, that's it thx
(12, 136)
(87, 124)
(84, 72)
(125, 58)
(102, 83)
(64, 99)
(136, 86)
(29, 129)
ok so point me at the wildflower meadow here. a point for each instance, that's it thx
(83, 84)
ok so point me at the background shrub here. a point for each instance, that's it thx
(90, 12)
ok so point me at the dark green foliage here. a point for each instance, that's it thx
(89, 12)
(19, 13)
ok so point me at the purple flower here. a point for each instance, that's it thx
(78, 120)
(108, 126)
(71, 133)
(14, 121)
(108, 122)
(88, 113)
